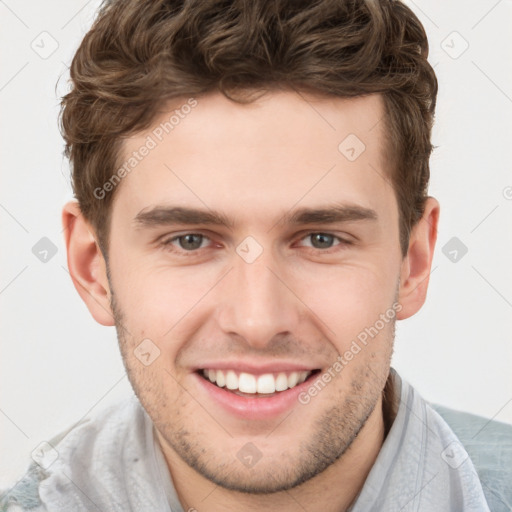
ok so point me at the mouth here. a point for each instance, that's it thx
(251, 385)
(259, 396)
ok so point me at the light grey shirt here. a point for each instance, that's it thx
(112, 461)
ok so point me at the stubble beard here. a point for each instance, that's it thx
(331, 436)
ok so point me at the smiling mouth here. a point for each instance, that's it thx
(250, 385)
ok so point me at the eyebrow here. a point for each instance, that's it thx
(170, 215)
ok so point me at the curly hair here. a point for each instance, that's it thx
(141, 53)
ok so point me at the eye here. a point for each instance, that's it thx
(188, 242)
(324, 241)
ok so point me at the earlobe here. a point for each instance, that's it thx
(86, 264)
(416, 266)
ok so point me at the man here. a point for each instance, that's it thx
(252, 215)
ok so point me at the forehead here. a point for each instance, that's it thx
(259, 157)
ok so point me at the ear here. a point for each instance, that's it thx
(86, 264)
(415, 270)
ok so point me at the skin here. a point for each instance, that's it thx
(297, 302)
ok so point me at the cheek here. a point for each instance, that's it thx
(155, 300)
(349, 299)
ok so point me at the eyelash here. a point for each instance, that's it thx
(168, 243)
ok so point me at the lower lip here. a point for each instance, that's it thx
(253, 408)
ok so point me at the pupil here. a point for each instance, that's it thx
(189, 241)
(324, 240)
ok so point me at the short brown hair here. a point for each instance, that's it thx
(141, 53)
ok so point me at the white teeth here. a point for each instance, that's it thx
(303, 376)
(220, 379)
(267, 383)
(231, 380)
(293, 378)
(247, 383)
(282, 382)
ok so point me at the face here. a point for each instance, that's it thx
(251, 249)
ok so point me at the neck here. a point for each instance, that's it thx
(334, 490)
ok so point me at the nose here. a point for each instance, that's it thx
(257, 303)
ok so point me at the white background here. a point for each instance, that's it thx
(57, 364)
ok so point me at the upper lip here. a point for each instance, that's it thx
(257, 368)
